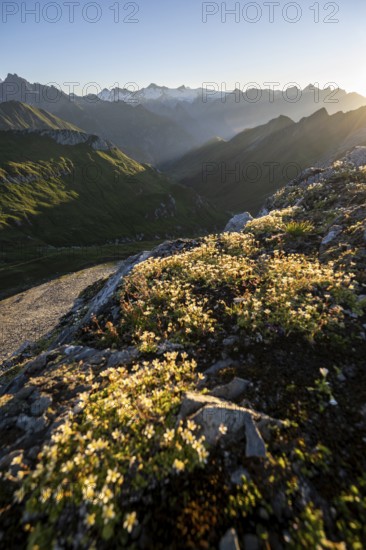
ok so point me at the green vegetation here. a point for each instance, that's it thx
(15, 115)
(124, 442)
(298, 229)
(79, 196)
(185, 298)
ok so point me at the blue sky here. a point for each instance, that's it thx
(170, 44)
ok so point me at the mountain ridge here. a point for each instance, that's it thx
(221, 172)
(163, 127)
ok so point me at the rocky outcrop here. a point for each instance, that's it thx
(238, 223)
(71, 137)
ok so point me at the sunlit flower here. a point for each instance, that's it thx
(178, 465)
(130, 522)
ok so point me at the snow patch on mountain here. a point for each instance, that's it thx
(151, 94)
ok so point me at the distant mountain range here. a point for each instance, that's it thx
(239, 174)
(141, 134)
(158, 124)
(60, 186)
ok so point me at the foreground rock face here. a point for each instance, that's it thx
(210, 395)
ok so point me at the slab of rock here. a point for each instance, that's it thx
(238, 223)
(236, 421)
(192, 402)
(229, 541)
(232, 390)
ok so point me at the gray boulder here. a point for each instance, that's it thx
(238, 223)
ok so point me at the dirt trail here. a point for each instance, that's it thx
(32, 314)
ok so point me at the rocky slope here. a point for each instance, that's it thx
(209, 395)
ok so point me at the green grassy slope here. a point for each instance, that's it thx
(15, 115)
(79, 196)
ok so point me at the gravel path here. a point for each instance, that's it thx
(32, 314)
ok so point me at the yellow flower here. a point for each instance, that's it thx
(130, 522)
(222, 429)
(113, 476)
(149, 431)
(46, 494)
(90, 520)
(108, 512)
(178, 465)
(169, 436)
(17, 460)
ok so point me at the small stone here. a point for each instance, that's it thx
(232, 390)
(167, 347)
(35, 366)
(333, 233)
(24, 393)
(97, 359)
(230, 341)
(40, 405)
(72, 350)
(263, 514)
(31, 425)
(212, 417)
(229, 541)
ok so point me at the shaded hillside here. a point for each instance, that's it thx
(209, 395)
(239, 174)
